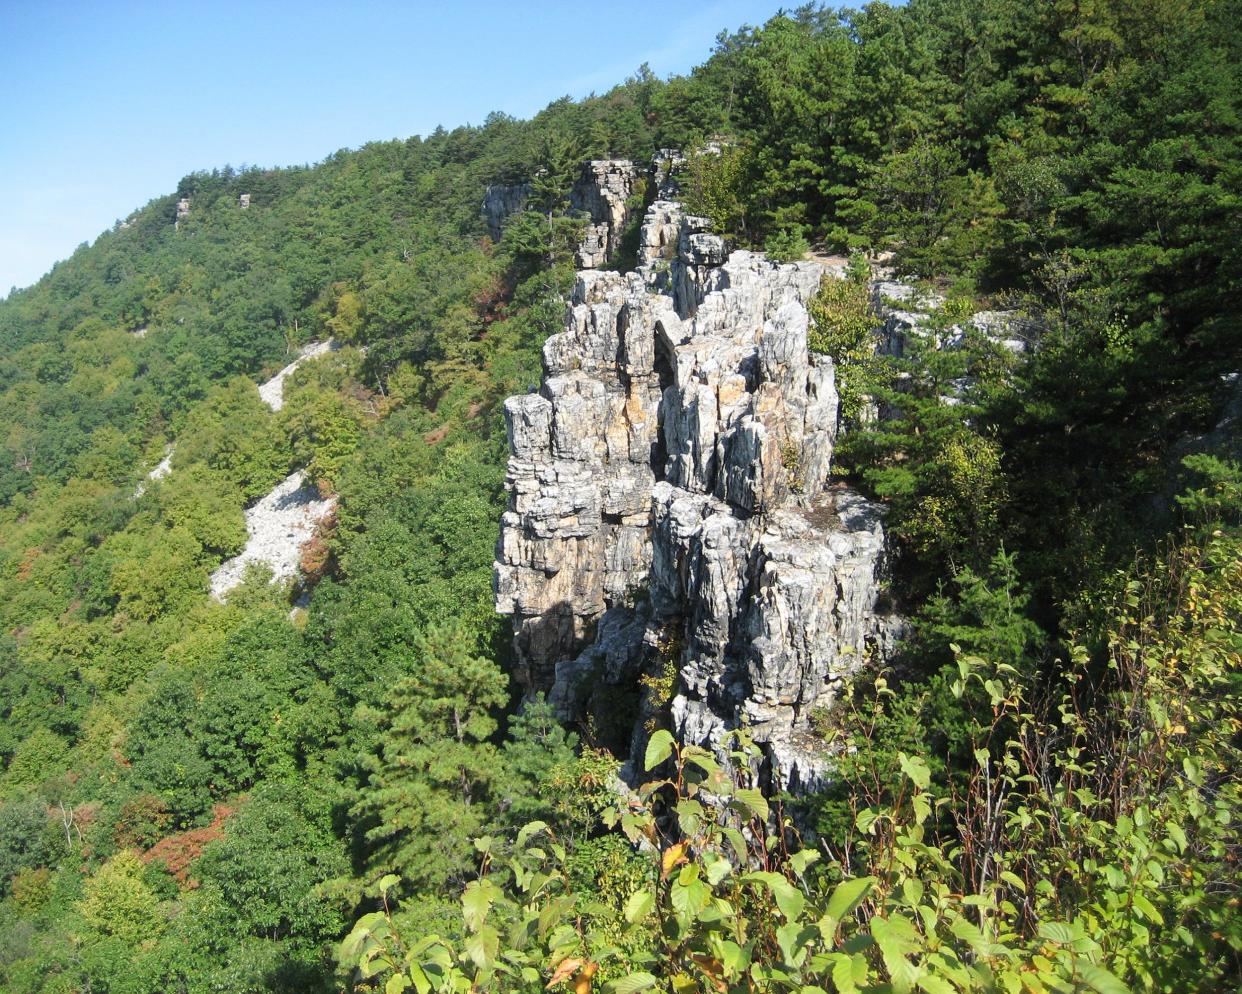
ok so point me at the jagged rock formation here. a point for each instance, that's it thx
(183, 209)
(905, 311)
(158, 472)
(278, 525)
(501, 201)
(664, 168)
(671, 503)
(604, 194)
(243, 201)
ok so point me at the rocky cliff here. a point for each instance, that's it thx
(606, 195)
(671, 517)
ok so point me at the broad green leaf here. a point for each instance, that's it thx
(717, 870)
(396, 984)
(701, 758)
(659, 748)
(690, 898)
(843, 975)
(529, 829)
(1148, 909)
(847, 896)
(753, 801)
(632, 983)
(789, 899)
(935, 985)
(802, 859)
(1100, 979)
(916, 769)
(483, 946)
(422, 983)
(476, 901)
(1013, 880)
(639, 906)
(1057, 932)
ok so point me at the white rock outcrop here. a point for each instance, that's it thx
(670, 501)
(273, 391)
(160, 470)
(604, 195)
(279, 526)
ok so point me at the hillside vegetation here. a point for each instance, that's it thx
(1042, 795)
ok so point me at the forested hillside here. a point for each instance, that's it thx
(1041, 792)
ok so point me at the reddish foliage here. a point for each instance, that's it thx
(141, 822)
(26, 566)
(489, 302)
(316, 555)
(178, 851)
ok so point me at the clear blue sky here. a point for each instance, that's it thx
(105, 104)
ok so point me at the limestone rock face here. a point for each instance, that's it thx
(671, 505)
(501, 201)
(603, 193)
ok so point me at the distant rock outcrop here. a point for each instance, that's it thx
(273, 391)
(670, 502)
(499, 202)
(279, 526)
(605, 195)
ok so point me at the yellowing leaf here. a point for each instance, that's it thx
(673, 857)
(564, 969)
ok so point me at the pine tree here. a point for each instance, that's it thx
(435, 764)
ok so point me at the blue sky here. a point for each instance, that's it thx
(105, 104)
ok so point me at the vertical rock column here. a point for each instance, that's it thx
(670, 493)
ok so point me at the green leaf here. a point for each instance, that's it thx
(701, 758)
(1100, 979)
(789, 899)
(916, 769)
(690, 898)
(935, 985)
(717, 870)
(1057, 932)
(843, 975)
(847, 897)
(396, 984)
(422, 983)
(529, 829)
(632, 983)
(753, 801)
(802, 859)
(483, 946)
(476, 901)
(639, 906)
(1013, 880)
(1148, 909)
(659, 748)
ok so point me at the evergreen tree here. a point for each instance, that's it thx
(435, 765)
